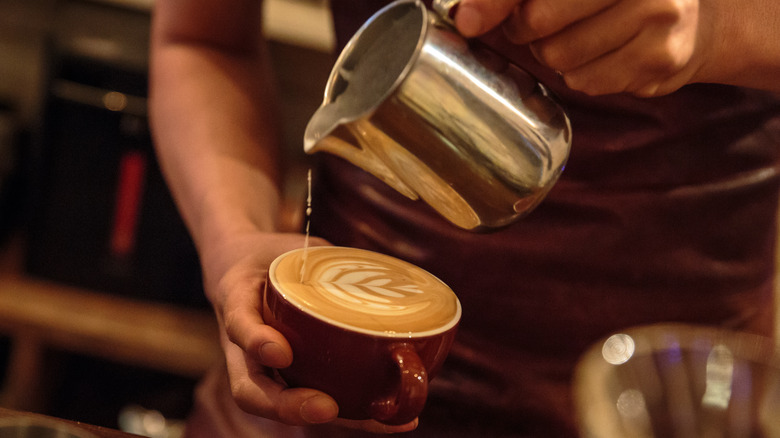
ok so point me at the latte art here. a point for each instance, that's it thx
(363, 290)
(375, 287)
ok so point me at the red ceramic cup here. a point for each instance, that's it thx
(367, 329)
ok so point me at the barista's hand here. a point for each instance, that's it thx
(234, 276)
(647, 48)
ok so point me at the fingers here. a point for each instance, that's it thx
(239, 308)
(612, 46)
(534, 19)
(251, 347)
(586, 40)
(475, 17)
(653, 63)
(259, 394)
(244, 325)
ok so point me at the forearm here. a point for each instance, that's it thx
(215, 137)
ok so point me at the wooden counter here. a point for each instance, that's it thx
(38, 315)
(8, 416)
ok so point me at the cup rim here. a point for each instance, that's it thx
(355, 329)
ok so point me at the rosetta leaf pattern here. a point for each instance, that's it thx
(367, 285)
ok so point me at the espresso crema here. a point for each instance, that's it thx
(365, 291)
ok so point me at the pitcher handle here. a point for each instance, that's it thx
(444, 9)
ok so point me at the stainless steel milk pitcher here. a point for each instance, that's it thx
(410, 102)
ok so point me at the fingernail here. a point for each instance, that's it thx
(271, 354)
(319, 409)
(468, 19)
(649, 90)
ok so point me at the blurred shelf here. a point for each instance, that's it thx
(38, 315)
(305, 23)
(301, 23)
(160, 336)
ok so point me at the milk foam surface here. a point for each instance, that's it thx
(363, 290)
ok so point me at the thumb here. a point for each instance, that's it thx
(476, 17)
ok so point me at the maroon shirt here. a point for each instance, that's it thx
(666, 211)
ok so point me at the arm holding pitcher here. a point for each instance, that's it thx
(648, 48)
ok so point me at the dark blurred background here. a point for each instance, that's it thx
(98, 276)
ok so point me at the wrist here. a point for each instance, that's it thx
(234, 210)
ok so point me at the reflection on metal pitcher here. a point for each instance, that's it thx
(409, 101)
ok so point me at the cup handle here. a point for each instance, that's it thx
(411, 392)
